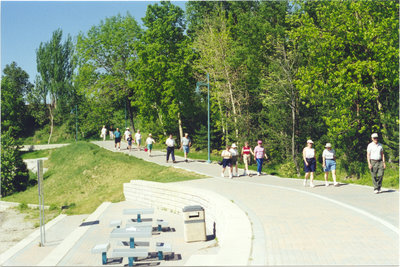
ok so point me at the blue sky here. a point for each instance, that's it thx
(25, 24)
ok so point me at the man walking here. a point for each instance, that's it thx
(117, 141)
(170, 142)
(376, 162)
(185, 144)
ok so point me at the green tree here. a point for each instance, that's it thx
(14, 86)
(14, 174)
(350, 71)
(55, 67)
(107, 62)
(165, 76)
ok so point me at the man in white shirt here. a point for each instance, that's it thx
(376, 162)
(170, 142)
(138, 138)
(127, 133)
(185, 144)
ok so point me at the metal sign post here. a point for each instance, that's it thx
(41, 202)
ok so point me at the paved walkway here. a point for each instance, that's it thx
(293, 224)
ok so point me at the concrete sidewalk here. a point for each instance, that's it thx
(293, 224)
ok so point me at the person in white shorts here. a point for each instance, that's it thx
(329, 163)
(138, 138)
(149, 142)
(185, 145)
(103, 132)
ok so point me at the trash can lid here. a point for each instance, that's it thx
(193, 208)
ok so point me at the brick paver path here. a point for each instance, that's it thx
(293, 224)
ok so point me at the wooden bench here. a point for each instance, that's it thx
(131, 253)
(101, 248)
(139, 212)
(161, 248)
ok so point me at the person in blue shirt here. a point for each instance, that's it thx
(117, 135)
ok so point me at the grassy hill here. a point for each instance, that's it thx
(83, 175)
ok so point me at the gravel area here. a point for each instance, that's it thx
(13, 228)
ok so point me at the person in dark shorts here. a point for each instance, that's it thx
(226, 161)
(117, 135)
(310, 163)
(129, 140)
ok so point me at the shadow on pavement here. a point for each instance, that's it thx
(388, 191)
(114, 261)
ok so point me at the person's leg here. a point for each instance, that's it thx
(173, 154)
(168, 152)
(312, 179)
(326, 174)
(374, 172)
(379, 175)
(334, 177)
(230, 170)
(246, 165)
(223, 172)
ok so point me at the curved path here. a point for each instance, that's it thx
(293, 224)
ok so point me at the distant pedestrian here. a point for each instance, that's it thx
(235, 156)
(129, 140)
(126, 134)
(149, 142)
(226, 161)
(376, 162)
(103, 133)
(170, 142)
(117, 135)
(111, 131)
(310, 163)
(185, 144)
(246, 151)
(329, 163)
(138, 138)
(259, 155)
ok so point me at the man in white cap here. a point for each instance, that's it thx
(376, 162)
(127, 133)
(234, 159)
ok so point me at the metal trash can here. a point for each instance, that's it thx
(194, 223)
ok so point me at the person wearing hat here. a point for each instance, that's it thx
(149, 142)
(226, 161)
(376, 162)
(185, 144)
(259, 154)
(329, 163)
(246, 151)
(234, 159)
(310, 163)
(126, 135)
(138, 138)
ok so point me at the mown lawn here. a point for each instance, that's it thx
(83, 175)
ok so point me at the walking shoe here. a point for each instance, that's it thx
(222, 175)
(379, 191)
(119, 149)
(305, 182)
(174, 161)
(335, 183)
(230, 176)
(326, 184)
(312, 185)
(376, 191)
(258, 174)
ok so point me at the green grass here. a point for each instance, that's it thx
(36, 154)
(84, 175)
(41, 136)
(32, 215)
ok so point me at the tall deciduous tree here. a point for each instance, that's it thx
(55, 67)
(351, 51)
(107, 61)
(165, 75)
(14, 87)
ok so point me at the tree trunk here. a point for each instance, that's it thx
(130, 112)
(233, 109)
(294, 152)
(180, 127)
(51, 122)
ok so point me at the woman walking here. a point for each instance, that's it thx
(149, 142)
(310, 164)
(226, 161)
(103, 133)
(235, 155)
(246, 150)
(259, 154)
(329, 163)
(111, 131)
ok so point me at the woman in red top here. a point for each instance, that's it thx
(246, 150)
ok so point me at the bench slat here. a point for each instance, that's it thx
(130, 252)
(139, 211)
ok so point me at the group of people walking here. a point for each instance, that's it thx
(230, 156)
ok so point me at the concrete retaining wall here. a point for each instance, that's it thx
(232, 226)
